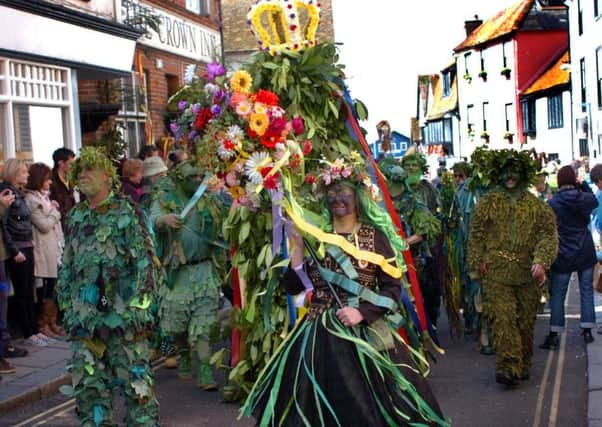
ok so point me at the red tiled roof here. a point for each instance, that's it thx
(553, 76)
(504, 23)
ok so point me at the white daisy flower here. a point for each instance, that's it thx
(211, 88)
(234, 133)
(223, 152)
(254, 164)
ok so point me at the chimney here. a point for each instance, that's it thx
(472, 25)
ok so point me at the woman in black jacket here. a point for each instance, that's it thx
(18, 238)
(573, 205)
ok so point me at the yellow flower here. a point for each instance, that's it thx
(237, 191)
(241, 81)
(259, 123)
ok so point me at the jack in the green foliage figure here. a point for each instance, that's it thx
(189, 301)
(106, 277)
(428, 269)
(512, 241)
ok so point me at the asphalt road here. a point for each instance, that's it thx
(462, 379)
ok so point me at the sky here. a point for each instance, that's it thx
(388, 43)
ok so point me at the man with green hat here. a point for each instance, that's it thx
(107, 274)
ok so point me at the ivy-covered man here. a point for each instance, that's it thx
(512, 241)
(187, 226)
(428, 264)
(107, 273)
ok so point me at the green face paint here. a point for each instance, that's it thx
(92, 182)
(191, 178)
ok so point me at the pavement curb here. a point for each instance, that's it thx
(34, 394)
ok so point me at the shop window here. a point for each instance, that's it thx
(555, 116)
(132, 116)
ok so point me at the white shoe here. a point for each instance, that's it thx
(45, 338)
(35, 341)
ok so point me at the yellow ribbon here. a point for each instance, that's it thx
(342, 243)
(277, 166)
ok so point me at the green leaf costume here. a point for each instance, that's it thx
(510, 231)
(107, 272)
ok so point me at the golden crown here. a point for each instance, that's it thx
(278, 27)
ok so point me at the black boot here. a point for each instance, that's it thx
(551, 342)
(506, 378)
(587, 335)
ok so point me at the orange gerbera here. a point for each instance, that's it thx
(259, 123)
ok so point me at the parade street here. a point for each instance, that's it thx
(555, 395)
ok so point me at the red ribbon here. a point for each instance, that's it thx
(407, 256)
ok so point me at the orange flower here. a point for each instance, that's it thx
(259, 123)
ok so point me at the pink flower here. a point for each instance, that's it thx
(236, 98)
(307, 147)
(346, 172)
(298, 125)
(232, 179)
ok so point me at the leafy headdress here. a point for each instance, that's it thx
(490, 165)
(92, 158)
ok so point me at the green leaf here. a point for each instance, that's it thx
(67, 390)
(333, 108)
(245, 229)
(361, 110)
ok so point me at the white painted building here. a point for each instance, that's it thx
(45, 47)
(585, 17)
(499, 60)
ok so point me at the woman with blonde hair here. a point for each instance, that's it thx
(18, 238)
(48, 245)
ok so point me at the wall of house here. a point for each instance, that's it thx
(585, 46)
(495, 89)
(552, 141)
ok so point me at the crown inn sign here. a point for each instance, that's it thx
(180, 36)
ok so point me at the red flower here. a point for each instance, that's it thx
(203, 118)
(270, 141)
(251, 133)
(267, 97)
(228, 145)
(271, 182)
(310, 179)
(307, 147)
(298, 125)
(276, 127)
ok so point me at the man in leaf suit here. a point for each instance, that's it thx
(512, 241)
(106, 277)
(189, 301)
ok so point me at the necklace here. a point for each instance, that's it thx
(352, 238)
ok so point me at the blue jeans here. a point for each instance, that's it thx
(560, 285)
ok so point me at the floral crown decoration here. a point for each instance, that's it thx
(351, 169)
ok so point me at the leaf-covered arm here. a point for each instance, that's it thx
(477, 237)
(142, 253)
(546, 248)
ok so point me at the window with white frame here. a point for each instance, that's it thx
(202, 7)
(467, 60)
(485, 108)
(599, 76)
(132, 116)
(583, 88)
(482, 60)
(446, 84)
(509, 117)
(528, 116)
(596, 8)
(555, 115)
(470, 119)
(505, 53)
(579, 17)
